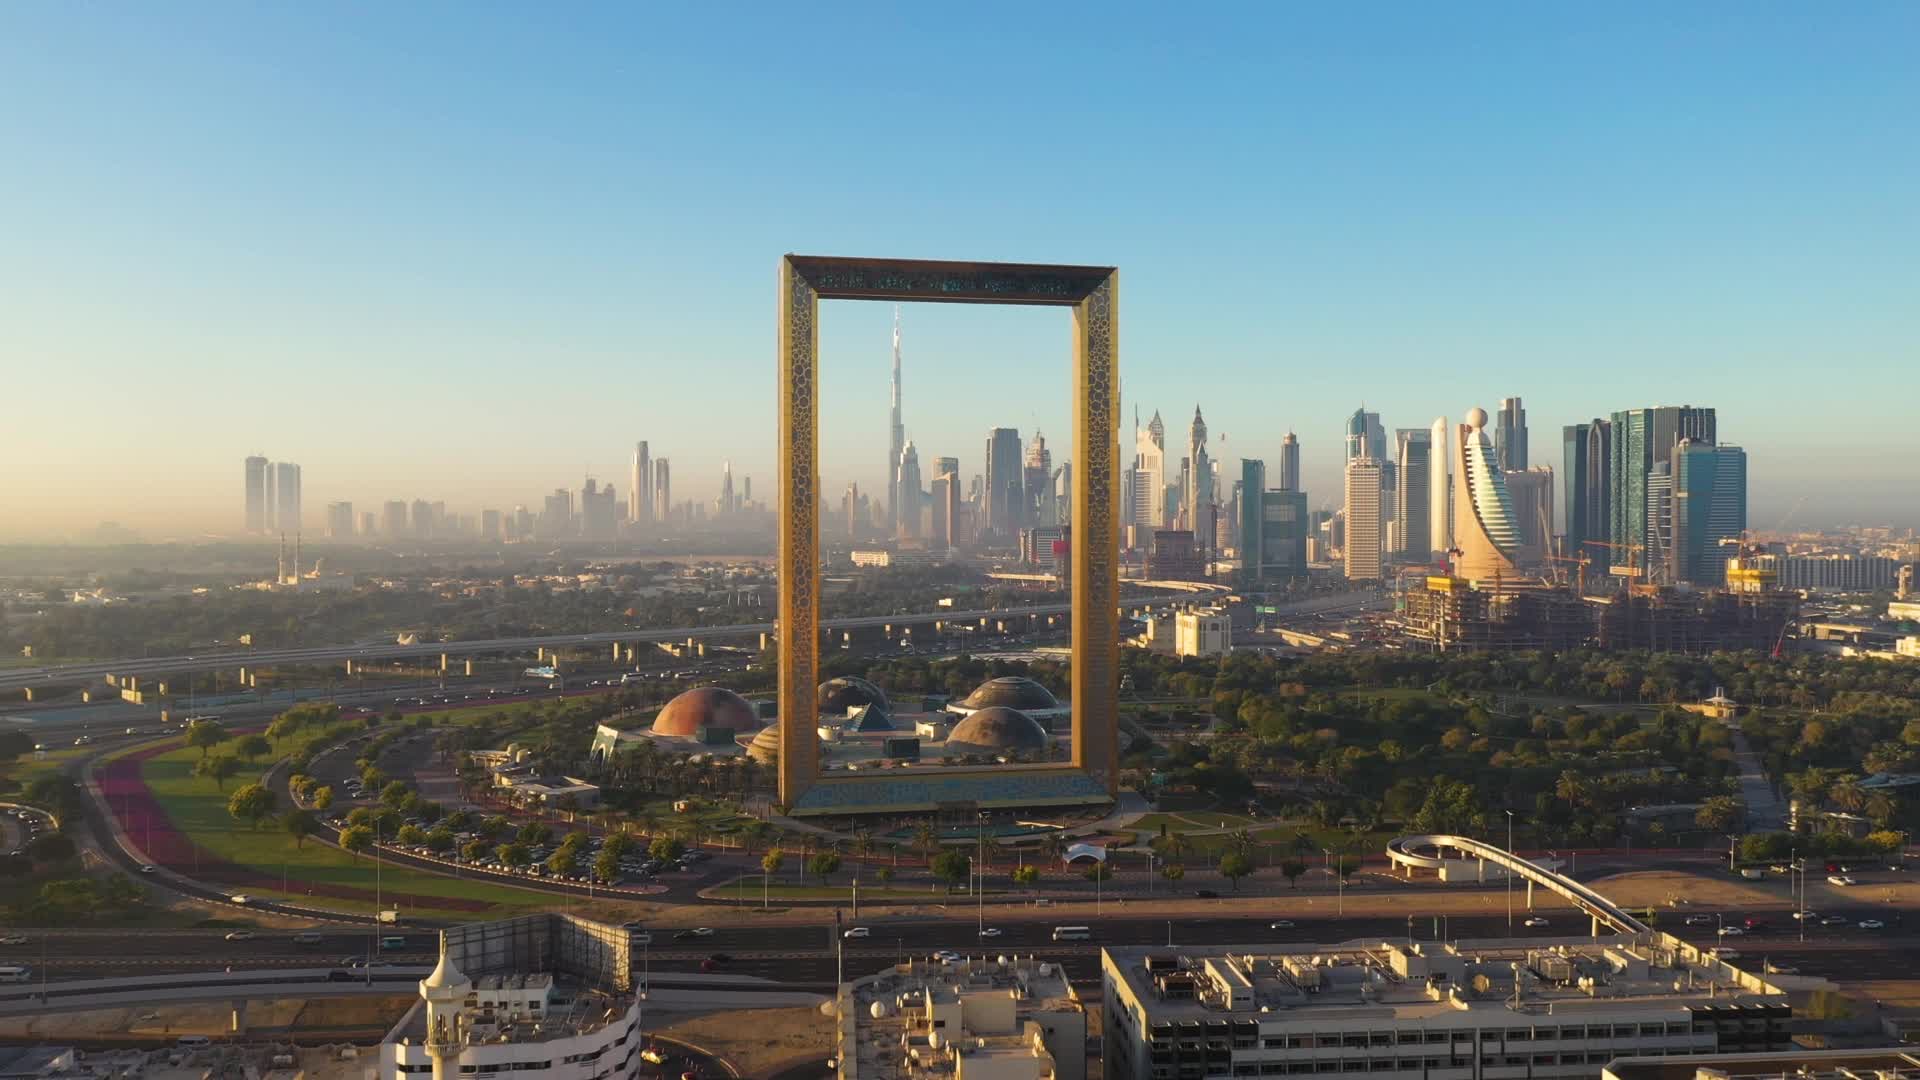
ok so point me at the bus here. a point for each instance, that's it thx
(1072, 933)
(15, 974)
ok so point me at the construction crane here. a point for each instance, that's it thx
(1633, 556)
(1580, 569)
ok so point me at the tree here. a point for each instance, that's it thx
(1235, 865)
(1571, 787)
(514, 854)
(666, 848)
(356, 839)
(951, 867)
(493, 828)
(1026, 876)
(535, 833)
(410, 835)
(563, 862)
(322, 798)
(1097, 871)
(372, 778)
(1718, 813)
(441, 840)
(13, 743)
(298, 824)
(1291, 869)
(772, 861)
(252, 747)
(474, 850)
(219, 770)
(1346, 867)
(885, 874)
(1173, 871)
(606, 866)
(395, 794)
(206, 734)
(824, 864)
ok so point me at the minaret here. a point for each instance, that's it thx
(896, 437)
(446, 993)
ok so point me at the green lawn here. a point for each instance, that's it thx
(199, 809)
(787, 887)
(1191, 820)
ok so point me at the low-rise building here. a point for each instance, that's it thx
(1473, 1010)
(985, 1018)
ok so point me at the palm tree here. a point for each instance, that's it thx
(926, 837)
(1848, 796)
(1571, 786)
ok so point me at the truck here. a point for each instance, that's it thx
(390, 917)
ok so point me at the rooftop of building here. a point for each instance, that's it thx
(1372, 979)
(571, 1010)
(889, 1010)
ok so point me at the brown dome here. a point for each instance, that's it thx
(765, 747)
(996, 729)
(708, 706)
(836, 696)
(1012, 692)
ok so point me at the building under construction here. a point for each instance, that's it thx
(1453, 613)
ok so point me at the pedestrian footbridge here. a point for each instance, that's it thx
(1462, 858)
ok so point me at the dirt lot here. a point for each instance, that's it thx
(757, 1041)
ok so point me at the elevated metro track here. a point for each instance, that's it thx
(1410, 852)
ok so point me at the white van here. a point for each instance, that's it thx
(15, 974)
(1072, 933)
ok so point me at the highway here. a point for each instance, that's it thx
(22, 678)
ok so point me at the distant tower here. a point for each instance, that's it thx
(1439, 495)
(726, 487)
(1290, 463)
(640, 486)
(256, 494)
(1414, 504)
(1199, 484)
(896, 435)
(906, 483)
(1510, 449)
(662, 491)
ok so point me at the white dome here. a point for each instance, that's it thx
(879, 1010)
(444, 976)
(1476, 418)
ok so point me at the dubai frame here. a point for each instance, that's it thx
(1092, 292)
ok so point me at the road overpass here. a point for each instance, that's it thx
(1410, 852)
(275, 984)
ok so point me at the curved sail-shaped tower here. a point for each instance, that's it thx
(1486, 537)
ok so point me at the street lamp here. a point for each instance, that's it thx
(1509, 872)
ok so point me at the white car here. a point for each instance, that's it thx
(240, 935)
(240, 898)
(1699, 920)
(1807, 916)
(1535, 922)
(991, 931)
(947, 956)
(14, 939)
(1840, 880)
(1732, 931)
(857, 932)
(148, 869)
(1280, 924)
(1872, 924)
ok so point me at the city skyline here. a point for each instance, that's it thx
(1580, 249)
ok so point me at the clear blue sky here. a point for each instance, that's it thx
(470, 251)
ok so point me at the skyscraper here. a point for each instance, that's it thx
(1289, 463)
(662, 491)
(1530, 492)
(640, 485)
(726, 504)
(1709, 507)
(1365, 522)
(1006, 485)
(906, 488)
(1149, 474)
(340, 520)
(1484, 532)
(1038, 480)
(393, 519)
(896, 437)
(1273, 528)
(1510, 446)
(286, 497)
(1199, 493)
(1586, 457)
(1439, 491)
(1365, 436)
(946, 504)
(256, 494)
(1413, 505)
(1641, 439)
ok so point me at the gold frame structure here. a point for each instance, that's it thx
(1093, 294)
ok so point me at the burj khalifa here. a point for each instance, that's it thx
(897, 437)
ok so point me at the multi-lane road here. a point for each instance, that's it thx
(23, 678)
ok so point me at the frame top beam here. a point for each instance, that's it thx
(948, 282)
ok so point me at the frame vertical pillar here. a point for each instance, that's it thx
(1096, 539)
(799, 566)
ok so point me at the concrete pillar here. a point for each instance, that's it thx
(541, 654)
(1529, 894)
(29, 693)
(243, 676)
(700, 649)
(690, 644)
(133, 683)
(86, 696)
(349, 669)
(163, 689)
(1596, 926)
(616, 652)
(443, 663)
(238, 1022)
(766, 641)
(469, 666)
(847, 636)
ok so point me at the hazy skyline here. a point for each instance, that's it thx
(468, 253)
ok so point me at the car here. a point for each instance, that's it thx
(1699, 920)
(306, 937)
(1833, 868)
(1776, 968)
(339, 975)
(695, 932)
(14, 939)
(947, 956)
(653, 1055)
(1839, 880)
(1807, 916)
(1872, 924)
(720, 957)
(1732, 931)
(1206, 894)
(856, 932)
(1833, 920)
(239, 935)
(1535, 922)
(990, 931)
(1780, 868)
(240, 898)
(148, 869)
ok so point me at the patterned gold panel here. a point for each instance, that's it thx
(1093, 293)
